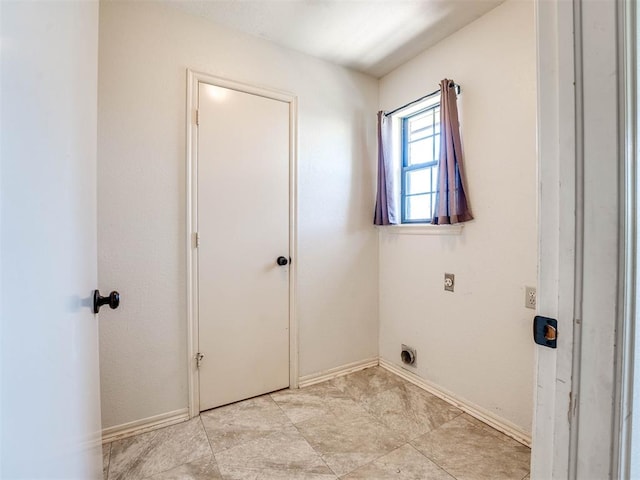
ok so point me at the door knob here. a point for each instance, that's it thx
(282, 261)
(550, 332)
(113, 300)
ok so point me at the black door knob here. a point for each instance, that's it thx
(282, 261)
(113, 300)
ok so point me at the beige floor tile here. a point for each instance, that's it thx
(469, 452)
(305, 403)
(243, 422)
(232, 473)
(368, 382)
(404, 463)
(353, 427)
(410, 411)
(283, 451)
(106, 453)
(349, 441)
(204, 468)
(158, 451)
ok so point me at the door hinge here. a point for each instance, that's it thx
(199, 357)
(197, 117)
(196, 239)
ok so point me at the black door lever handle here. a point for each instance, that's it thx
(113, 300)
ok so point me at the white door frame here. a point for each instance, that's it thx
(626, 335)
(556, 234)
(193, 79)
(586, 259)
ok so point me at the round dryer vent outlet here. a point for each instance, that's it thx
(408, 355)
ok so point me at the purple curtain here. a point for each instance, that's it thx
(452, 204)
(385, 212)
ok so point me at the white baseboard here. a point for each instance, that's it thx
(130, 429)
(325, 375)
(144, 425)
(480, 413)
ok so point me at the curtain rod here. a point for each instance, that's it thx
(457, 87)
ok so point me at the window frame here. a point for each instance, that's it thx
(405, 167)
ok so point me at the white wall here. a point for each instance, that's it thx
(145, 50)
(475, 343)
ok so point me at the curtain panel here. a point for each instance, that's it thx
(452, 204)
(385, 210)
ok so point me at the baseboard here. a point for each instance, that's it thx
(130, 429)
(480, 413)
(325, 375)
(149, 424)
(144, 425)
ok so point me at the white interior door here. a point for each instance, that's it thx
(243, 227)
(50, 402)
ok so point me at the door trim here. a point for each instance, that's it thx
(193, 79)
(628, 268)
(558, 234)
(575, 44)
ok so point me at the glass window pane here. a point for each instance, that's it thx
(434, 179)
(422, 125)
(417, 181)
(420, 152)
(418, 207)
(426, 132)
(421, 121)
(421, 141)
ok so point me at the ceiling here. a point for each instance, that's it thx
(372, 36)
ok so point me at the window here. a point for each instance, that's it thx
(420, 145)
(410, 181)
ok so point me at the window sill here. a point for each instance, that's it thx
(421, 229)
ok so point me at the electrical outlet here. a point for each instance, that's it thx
(530, 297)
(449, 281)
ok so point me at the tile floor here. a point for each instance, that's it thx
(367, 425)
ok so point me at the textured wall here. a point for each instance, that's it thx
(475, 343)
(145, 50)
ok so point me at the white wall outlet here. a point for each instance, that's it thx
(530, 297)
(449, 281)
